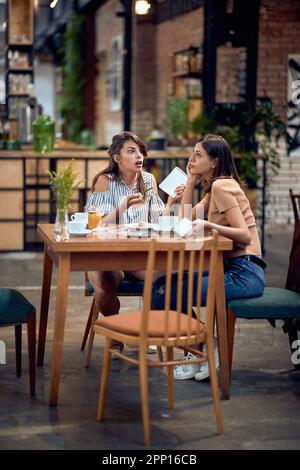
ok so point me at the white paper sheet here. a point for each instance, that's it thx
(183, 227)
(174, 179)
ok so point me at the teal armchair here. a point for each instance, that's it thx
(15, 310)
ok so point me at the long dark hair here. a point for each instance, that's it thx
(217, 147)
(115, 149)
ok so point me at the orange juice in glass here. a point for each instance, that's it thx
(94, 218)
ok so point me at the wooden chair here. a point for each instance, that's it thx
(295, 199)
(126, 289)
(15, 310)
(166, 327)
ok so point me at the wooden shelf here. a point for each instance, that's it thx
(20, 23)
(187, 74)
(18, 55)
(20, 70)
(13, 95)
(20, 44)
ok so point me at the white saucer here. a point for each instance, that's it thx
(139, 233)
(81, 233)
(136, 226)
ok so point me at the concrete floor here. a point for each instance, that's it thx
(263, 412)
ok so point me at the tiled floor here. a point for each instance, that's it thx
(263, 412)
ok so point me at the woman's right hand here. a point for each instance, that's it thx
(132, 200)
(191, 178)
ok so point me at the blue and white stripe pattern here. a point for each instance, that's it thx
(118, 190)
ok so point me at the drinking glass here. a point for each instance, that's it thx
(94, 218)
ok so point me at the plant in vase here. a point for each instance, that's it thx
(63, 184)
(156, 139)
(268, 128)
(178, 119)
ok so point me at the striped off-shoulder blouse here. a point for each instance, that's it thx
(118, 190)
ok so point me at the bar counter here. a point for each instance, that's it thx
(25, 197)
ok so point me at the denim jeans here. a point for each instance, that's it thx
(242, 279)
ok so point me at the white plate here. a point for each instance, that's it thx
(138, 233)
(137, 226)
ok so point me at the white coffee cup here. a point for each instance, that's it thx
(167, 222)
(76, 226)
(80, 217)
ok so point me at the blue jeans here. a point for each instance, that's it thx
(242, 279)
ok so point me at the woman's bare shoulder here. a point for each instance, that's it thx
(101, 184)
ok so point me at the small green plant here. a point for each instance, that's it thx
(202, 124)
(63, 185)
(267, 128)
(178, 119)
(71, 102)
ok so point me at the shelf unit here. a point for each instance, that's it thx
(187, 73)
(187, 76)
(19, 74)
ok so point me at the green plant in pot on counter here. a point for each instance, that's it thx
(204, 124)
(71, 102)
(63, 184)
(178, 119)
(268, 128)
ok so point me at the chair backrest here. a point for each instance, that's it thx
(295, 199)
(293, 276)
(182, 259)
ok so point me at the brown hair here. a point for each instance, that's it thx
(115, 149)
(217, 147)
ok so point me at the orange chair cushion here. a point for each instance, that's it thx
(129, 324)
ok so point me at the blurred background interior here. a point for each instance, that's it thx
(75, 72)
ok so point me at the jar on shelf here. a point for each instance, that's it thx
(43, 134)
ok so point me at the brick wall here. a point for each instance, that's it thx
(144, 83)
(153, 48)
(279, 36)
(231, 71)
(107, 26)
(174, 35)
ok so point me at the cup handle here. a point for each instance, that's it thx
(72, 217)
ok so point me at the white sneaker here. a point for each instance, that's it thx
(152, 349)
(204, 369)
(186, 370)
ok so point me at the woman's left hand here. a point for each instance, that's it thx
(179, 190)
(199, 225)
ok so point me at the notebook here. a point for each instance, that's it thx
(174, 179)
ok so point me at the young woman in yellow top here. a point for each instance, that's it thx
(227, 210)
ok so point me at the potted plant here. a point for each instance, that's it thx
(178, 119)
(70, 102)
(157, 139)
(267, 128)
(202, 124)
(63, 184)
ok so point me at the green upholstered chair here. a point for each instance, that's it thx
(15, 310)
(275, 303)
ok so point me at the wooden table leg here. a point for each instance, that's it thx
(222, 330)
(47, 275)
(59, 327)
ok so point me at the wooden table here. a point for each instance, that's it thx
(101, 253)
